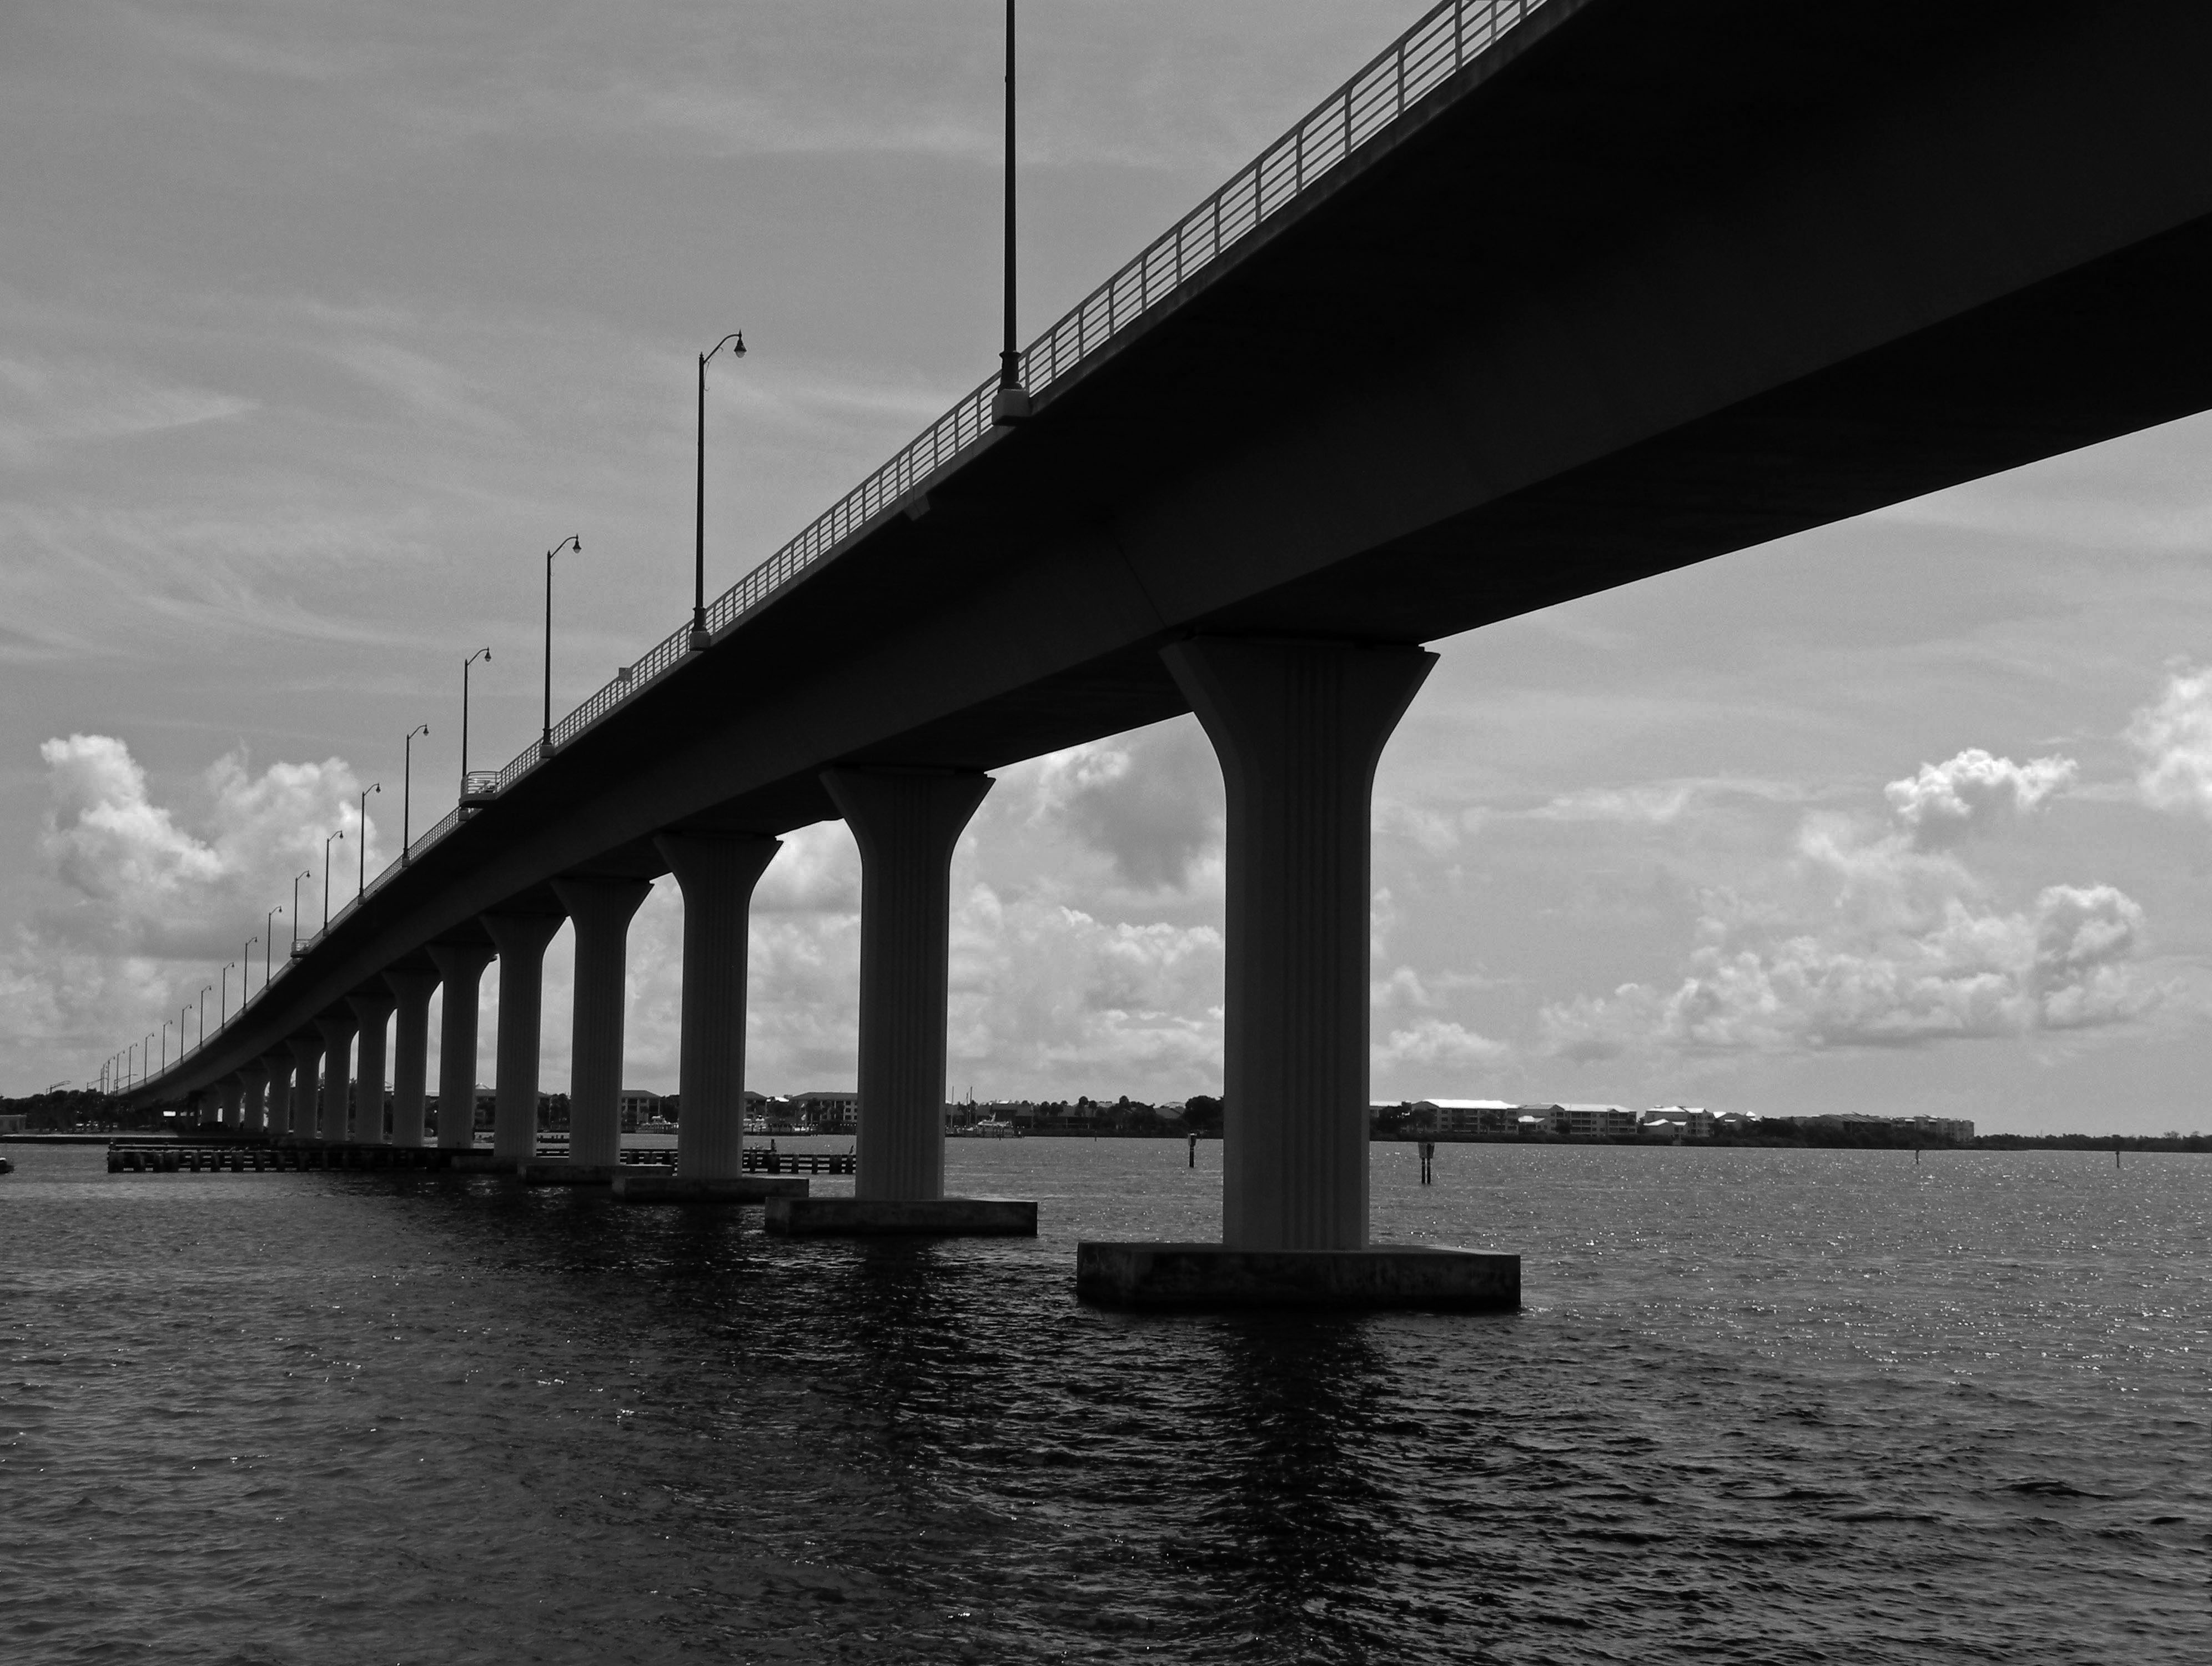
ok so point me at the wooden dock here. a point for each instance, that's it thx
(268, 1156)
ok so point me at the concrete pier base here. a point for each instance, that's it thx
(633, 1188)
(562, 1172)
(871, 1217)
(1196, 1276)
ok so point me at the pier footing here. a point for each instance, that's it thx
(1165, 1276)
(564, 1173)
(674, 1188)
(944, 1217)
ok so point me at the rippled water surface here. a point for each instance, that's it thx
(1760, 1407)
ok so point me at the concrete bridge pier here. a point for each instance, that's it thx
(225, 1101)
(252, 1098)
(520, 940)
(717, 877)
(372, 1012)
(279, 1097)
(337, 1031)
(410, 1052)
(906, 822)
(307, 1071)
(1299, 727)
(460, 969)
(600, 911)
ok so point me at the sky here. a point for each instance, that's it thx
(320, 323)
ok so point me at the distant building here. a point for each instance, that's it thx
(828, 1107)
(1593, 1121)
(1695, 1122)
(1463, 1116)
(15, 1121)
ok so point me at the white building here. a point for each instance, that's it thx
(1693, 1121)
(1463, 1116)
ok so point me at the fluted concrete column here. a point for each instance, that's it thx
(717, 876)
(600, 909)
(460, 968)
(906, 822)
(372, 1013)
(337, 1030)
(279, 1067)
(1299, 727)
(252, 1098)
(411, 1053)
(520, 940)
(307, 1073)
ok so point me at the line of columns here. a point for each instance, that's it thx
(1299, 727)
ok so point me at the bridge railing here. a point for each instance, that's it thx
(1445, 40)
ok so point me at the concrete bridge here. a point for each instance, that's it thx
(1553, 296)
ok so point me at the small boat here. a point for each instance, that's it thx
(6, 1166)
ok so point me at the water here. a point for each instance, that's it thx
(1762, 1406)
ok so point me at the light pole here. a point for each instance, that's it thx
(407, 784)
(201, 1043)
(269, 933)
(222, 1007)
(545, 745)
(485, 654)
(1011, 404)
(307, 874)
(327, 844)
(165, 1043)
(699, 635)
(360, 877)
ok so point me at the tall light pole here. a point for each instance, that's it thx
(407, 784)
(165, 1043)
(700, 638)
(269, 933)
(545, 745)
(360, 878)
(1011, 404)
(307, 874)
(222, 1009)
(485, 654)
(205, 988)
(327, 844)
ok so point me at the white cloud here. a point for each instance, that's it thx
(1150, 802)
(1944, 802)
(1875, 939)
(2173, 740)
(144, 901)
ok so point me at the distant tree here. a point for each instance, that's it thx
(1201, 1114)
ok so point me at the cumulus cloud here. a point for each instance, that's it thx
(1944, 802)
(2172, 741)
(1886, 939)
(1150, 802)
(152, 879)
(145, 901)
(1045, 995)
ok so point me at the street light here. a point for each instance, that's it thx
(699, 635)
(306, 874)
(205, 988)
(545, 745)
(1011, 404)
(327, 844)
(244, 973)
(222, 1009)
(485, 654)
(165, 1043)
(269, 933)
(360, 878)
(406, 784)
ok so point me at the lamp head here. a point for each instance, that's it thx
(738, 346)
